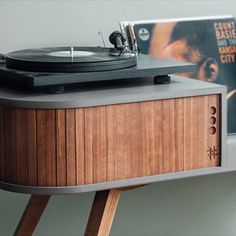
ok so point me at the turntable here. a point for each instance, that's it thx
(61, 66)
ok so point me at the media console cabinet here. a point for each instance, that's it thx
(108, 139)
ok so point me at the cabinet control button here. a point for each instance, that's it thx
(212, 130)
(212, 120)
(212, 110)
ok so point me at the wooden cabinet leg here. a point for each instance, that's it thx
(31, 215)
(102, 213)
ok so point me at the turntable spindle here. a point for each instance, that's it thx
(72, 52)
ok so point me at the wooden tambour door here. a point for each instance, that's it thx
(64, 147)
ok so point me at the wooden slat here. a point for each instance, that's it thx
(32, 148)
(168, 137)
(2, 145)
(147, 143)
(206, 139)
(88, 160)
(102, 213)
(179, 134)
(202, 137)
(118, 142)
(99, 145)
(194, 133)
(10, 144)
(31, 215)
(80, 144)
(70, 147)
(42, 147)
(134, 128)
(187, 134)
(115, 114)
(158, 165)
(21, 157)
(51, 147)
(61, 148)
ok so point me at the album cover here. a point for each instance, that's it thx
(209, 42)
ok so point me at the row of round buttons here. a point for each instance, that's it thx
(212, 120)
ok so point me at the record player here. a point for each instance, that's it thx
(56, 67)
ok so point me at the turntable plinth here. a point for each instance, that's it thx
(109, 138)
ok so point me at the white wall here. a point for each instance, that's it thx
(34, 23)
(200, 206)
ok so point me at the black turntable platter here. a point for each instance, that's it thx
(70, 59)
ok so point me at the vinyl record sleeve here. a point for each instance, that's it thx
(210, 42)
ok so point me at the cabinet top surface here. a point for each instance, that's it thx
(108, 93)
